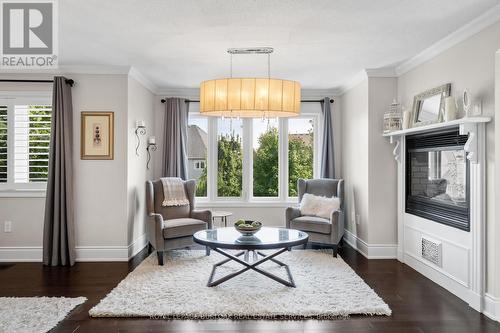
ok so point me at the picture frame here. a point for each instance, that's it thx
(97, 135)
(428, 106)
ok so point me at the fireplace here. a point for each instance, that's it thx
(437, 177)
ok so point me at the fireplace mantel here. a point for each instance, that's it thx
(468, 125)
(461, 268)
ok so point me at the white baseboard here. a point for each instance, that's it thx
(371, 251)
(20, 254)
(137, 246)
(448, 282)
(492, 307)
(83, 253)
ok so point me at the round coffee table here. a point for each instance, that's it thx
(265, 239)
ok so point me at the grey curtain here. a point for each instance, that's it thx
(175, 138)
(59, 229)
(327, 151)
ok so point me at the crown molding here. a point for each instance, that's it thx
(354, 81)
(194, 93)
(381, 72)
(318, 93)
(139, 77)
(190, 93)
(72, 69)
(483, 21)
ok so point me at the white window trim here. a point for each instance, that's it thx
(11, 98)
(247, 199)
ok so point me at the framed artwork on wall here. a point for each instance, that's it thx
(97, 135)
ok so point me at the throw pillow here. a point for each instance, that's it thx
(318, 206)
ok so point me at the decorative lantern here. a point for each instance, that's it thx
(393, 118)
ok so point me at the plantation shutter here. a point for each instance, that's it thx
(3, 143)
(31, 144)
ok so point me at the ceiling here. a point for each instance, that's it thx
(321, 43)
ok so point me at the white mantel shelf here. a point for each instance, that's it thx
(461, 121)
(467, 126)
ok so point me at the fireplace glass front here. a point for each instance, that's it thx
(437, 178)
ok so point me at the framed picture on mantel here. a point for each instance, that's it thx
(97, 135)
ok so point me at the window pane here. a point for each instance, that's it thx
(229, 157)
(3, 144)
(197, 153)
(32, 139)
(300, 152)
(265, 158)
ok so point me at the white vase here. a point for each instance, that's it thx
(450, 109)
(406, 119)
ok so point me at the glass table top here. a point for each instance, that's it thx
(266, 237)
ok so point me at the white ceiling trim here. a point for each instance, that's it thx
(485, 20)
(353, 82)
(194, 93)
(139, 77)
(381, 72)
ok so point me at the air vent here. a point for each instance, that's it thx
(431, 251)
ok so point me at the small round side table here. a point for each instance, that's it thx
(222, 215)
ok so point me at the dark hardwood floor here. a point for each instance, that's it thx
(418, 304)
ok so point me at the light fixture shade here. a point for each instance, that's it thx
(250, 97)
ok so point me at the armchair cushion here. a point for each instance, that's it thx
(182, 227)
(312, 224)
(318, 205)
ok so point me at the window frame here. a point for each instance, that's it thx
(196, 114)
(247, 199)
(10, 99)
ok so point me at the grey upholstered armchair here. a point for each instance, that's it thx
(173, 227)
(327, 232)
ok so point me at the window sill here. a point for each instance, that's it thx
(24, 193)
(245, 204)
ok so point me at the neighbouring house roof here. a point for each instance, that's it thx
(305, 138)
(197, 143)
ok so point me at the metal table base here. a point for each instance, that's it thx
(250, 266)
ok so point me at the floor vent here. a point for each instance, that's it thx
(431, 251)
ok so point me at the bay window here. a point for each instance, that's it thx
(300, 151)
(197, 151)
(253, 160)
(265, 148)
(229, 157)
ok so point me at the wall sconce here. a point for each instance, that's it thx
(150, 147)
(140, 128)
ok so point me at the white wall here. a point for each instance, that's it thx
(354, 106)
(469, 64)
(494, 227)
(101, 185)
(368, 167)
(140, 107)
(382, 186)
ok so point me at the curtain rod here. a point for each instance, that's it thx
(68, 81)
(163, 100)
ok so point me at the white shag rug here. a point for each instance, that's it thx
(327, 288)
(34, 314)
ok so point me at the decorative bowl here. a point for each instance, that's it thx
(247, 227)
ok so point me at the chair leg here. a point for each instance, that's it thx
(207, 250)
(304, 246)
(160, 257)
(150, 248)
(335, 248)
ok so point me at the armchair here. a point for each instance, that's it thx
(327, 232)
(173, 227)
